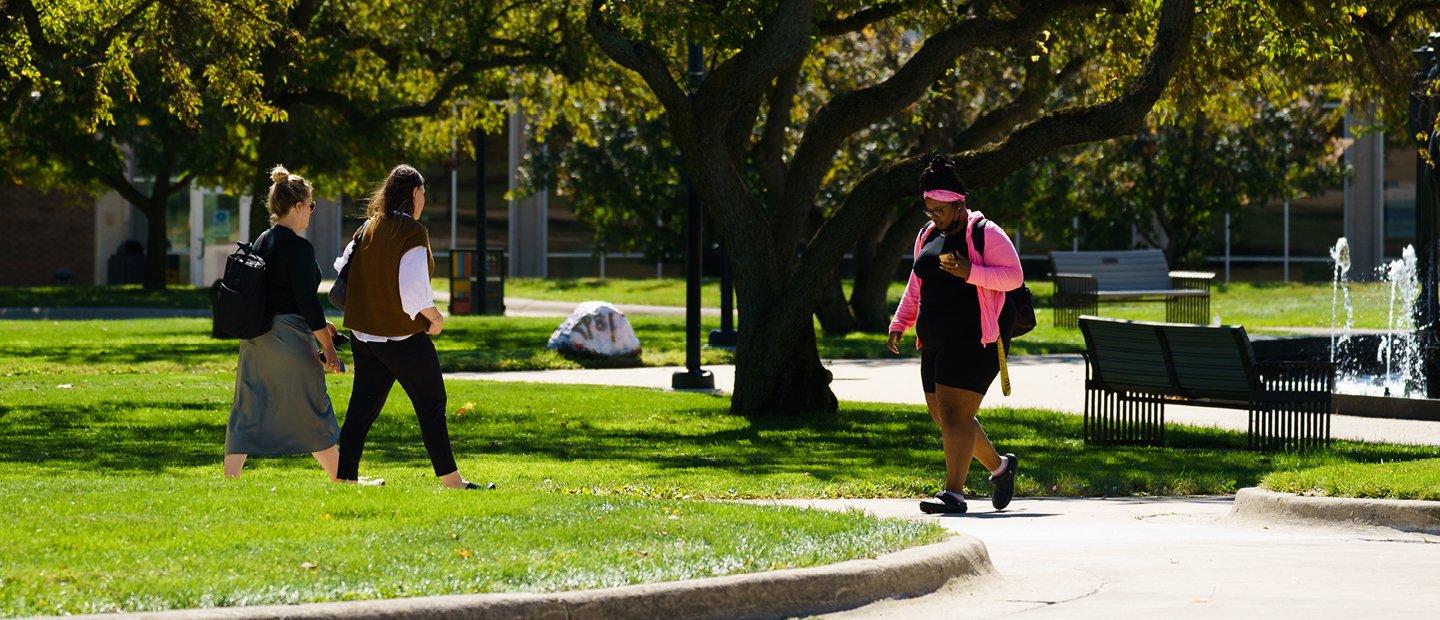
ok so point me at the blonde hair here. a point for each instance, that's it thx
(287, 191)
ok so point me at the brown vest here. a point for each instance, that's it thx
(372, 293)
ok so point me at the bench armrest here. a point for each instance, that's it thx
(1296, 377)
(1193, 275)
(1191, 280)
(1076, 284)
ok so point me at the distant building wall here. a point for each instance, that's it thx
(42, 233)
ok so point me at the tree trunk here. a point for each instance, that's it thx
(831, 309)
(778, 373)
(156, 243)
(869, 300)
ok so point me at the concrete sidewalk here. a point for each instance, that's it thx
(1168, 557)
(1040, 381)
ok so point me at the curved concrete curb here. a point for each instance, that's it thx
(1401, 514)
(773, 594)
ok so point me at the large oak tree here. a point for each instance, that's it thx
(761, 172)
(780, 268)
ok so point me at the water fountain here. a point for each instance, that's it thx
(1387, 363)
(1379, 372)
(1395, 372)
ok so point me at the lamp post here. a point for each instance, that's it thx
(1424, 104)
(693, 377)
(725, 336)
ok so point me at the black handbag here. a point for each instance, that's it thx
(337, 291)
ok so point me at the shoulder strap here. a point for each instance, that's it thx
(258, 248)
(345, 271)
(927, 233)
(978, 240)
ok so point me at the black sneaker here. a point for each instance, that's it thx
(1004, 484)
(943, 503)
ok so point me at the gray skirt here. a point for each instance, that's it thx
(281, 406)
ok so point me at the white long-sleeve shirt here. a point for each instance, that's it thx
(414, 283)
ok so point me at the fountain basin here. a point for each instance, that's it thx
(1364, 366)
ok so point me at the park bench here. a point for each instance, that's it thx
(1133, 369)
(1084, 279)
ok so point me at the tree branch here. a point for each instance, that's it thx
(859, 20)
(745, 76)
(769, 152)
(988, 166)
(357, 117)
(855, 110)
(38, 41)
(455, 80)
(102, 42)
(1120, 116)
(1405, 12)
(1039, 84)
(640, 57)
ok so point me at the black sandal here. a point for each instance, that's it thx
(1004, 484)
(943, 503)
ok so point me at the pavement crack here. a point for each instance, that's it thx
(1101, 582)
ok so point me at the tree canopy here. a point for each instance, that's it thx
(761, 170)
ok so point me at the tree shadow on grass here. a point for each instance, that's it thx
(887, 449)
(127, 353)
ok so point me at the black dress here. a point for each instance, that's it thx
(949, 323)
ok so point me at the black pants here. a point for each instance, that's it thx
(378, 365)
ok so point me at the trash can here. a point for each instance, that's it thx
(126, 265)
(467, 281)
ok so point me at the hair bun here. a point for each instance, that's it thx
(279, 174)
(938, 161)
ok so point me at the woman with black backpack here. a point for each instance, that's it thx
(954, 298)
(281, 406)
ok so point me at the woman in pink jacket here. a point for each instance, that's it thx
(954, 298)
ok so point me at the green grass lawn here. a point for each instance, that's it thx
(1391, 480)
(113, 431)
(112, 475)
(468, 344)
(1256, 305)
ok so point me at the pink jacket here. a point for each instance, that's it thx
(992, 274)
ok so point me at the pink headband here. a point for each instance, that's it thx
(945, 195)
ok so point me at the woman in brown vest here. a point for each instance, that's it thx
(390, 309)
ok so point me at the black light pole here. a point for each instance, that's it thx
(479, 297)
(725, 336)
(1423, 107)
(693, 377)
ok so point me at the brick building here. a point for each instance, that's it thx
(48, 237)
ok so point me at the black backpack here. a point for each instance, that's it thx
(1017, 318)
(240, 302)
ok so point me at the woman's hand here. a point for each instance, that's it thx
(437, 320)
(332, 358)
(893, 342)
(956, 265)
(330, 327)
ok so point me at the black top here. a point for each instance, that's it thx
(949, 306)
(291, 276)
